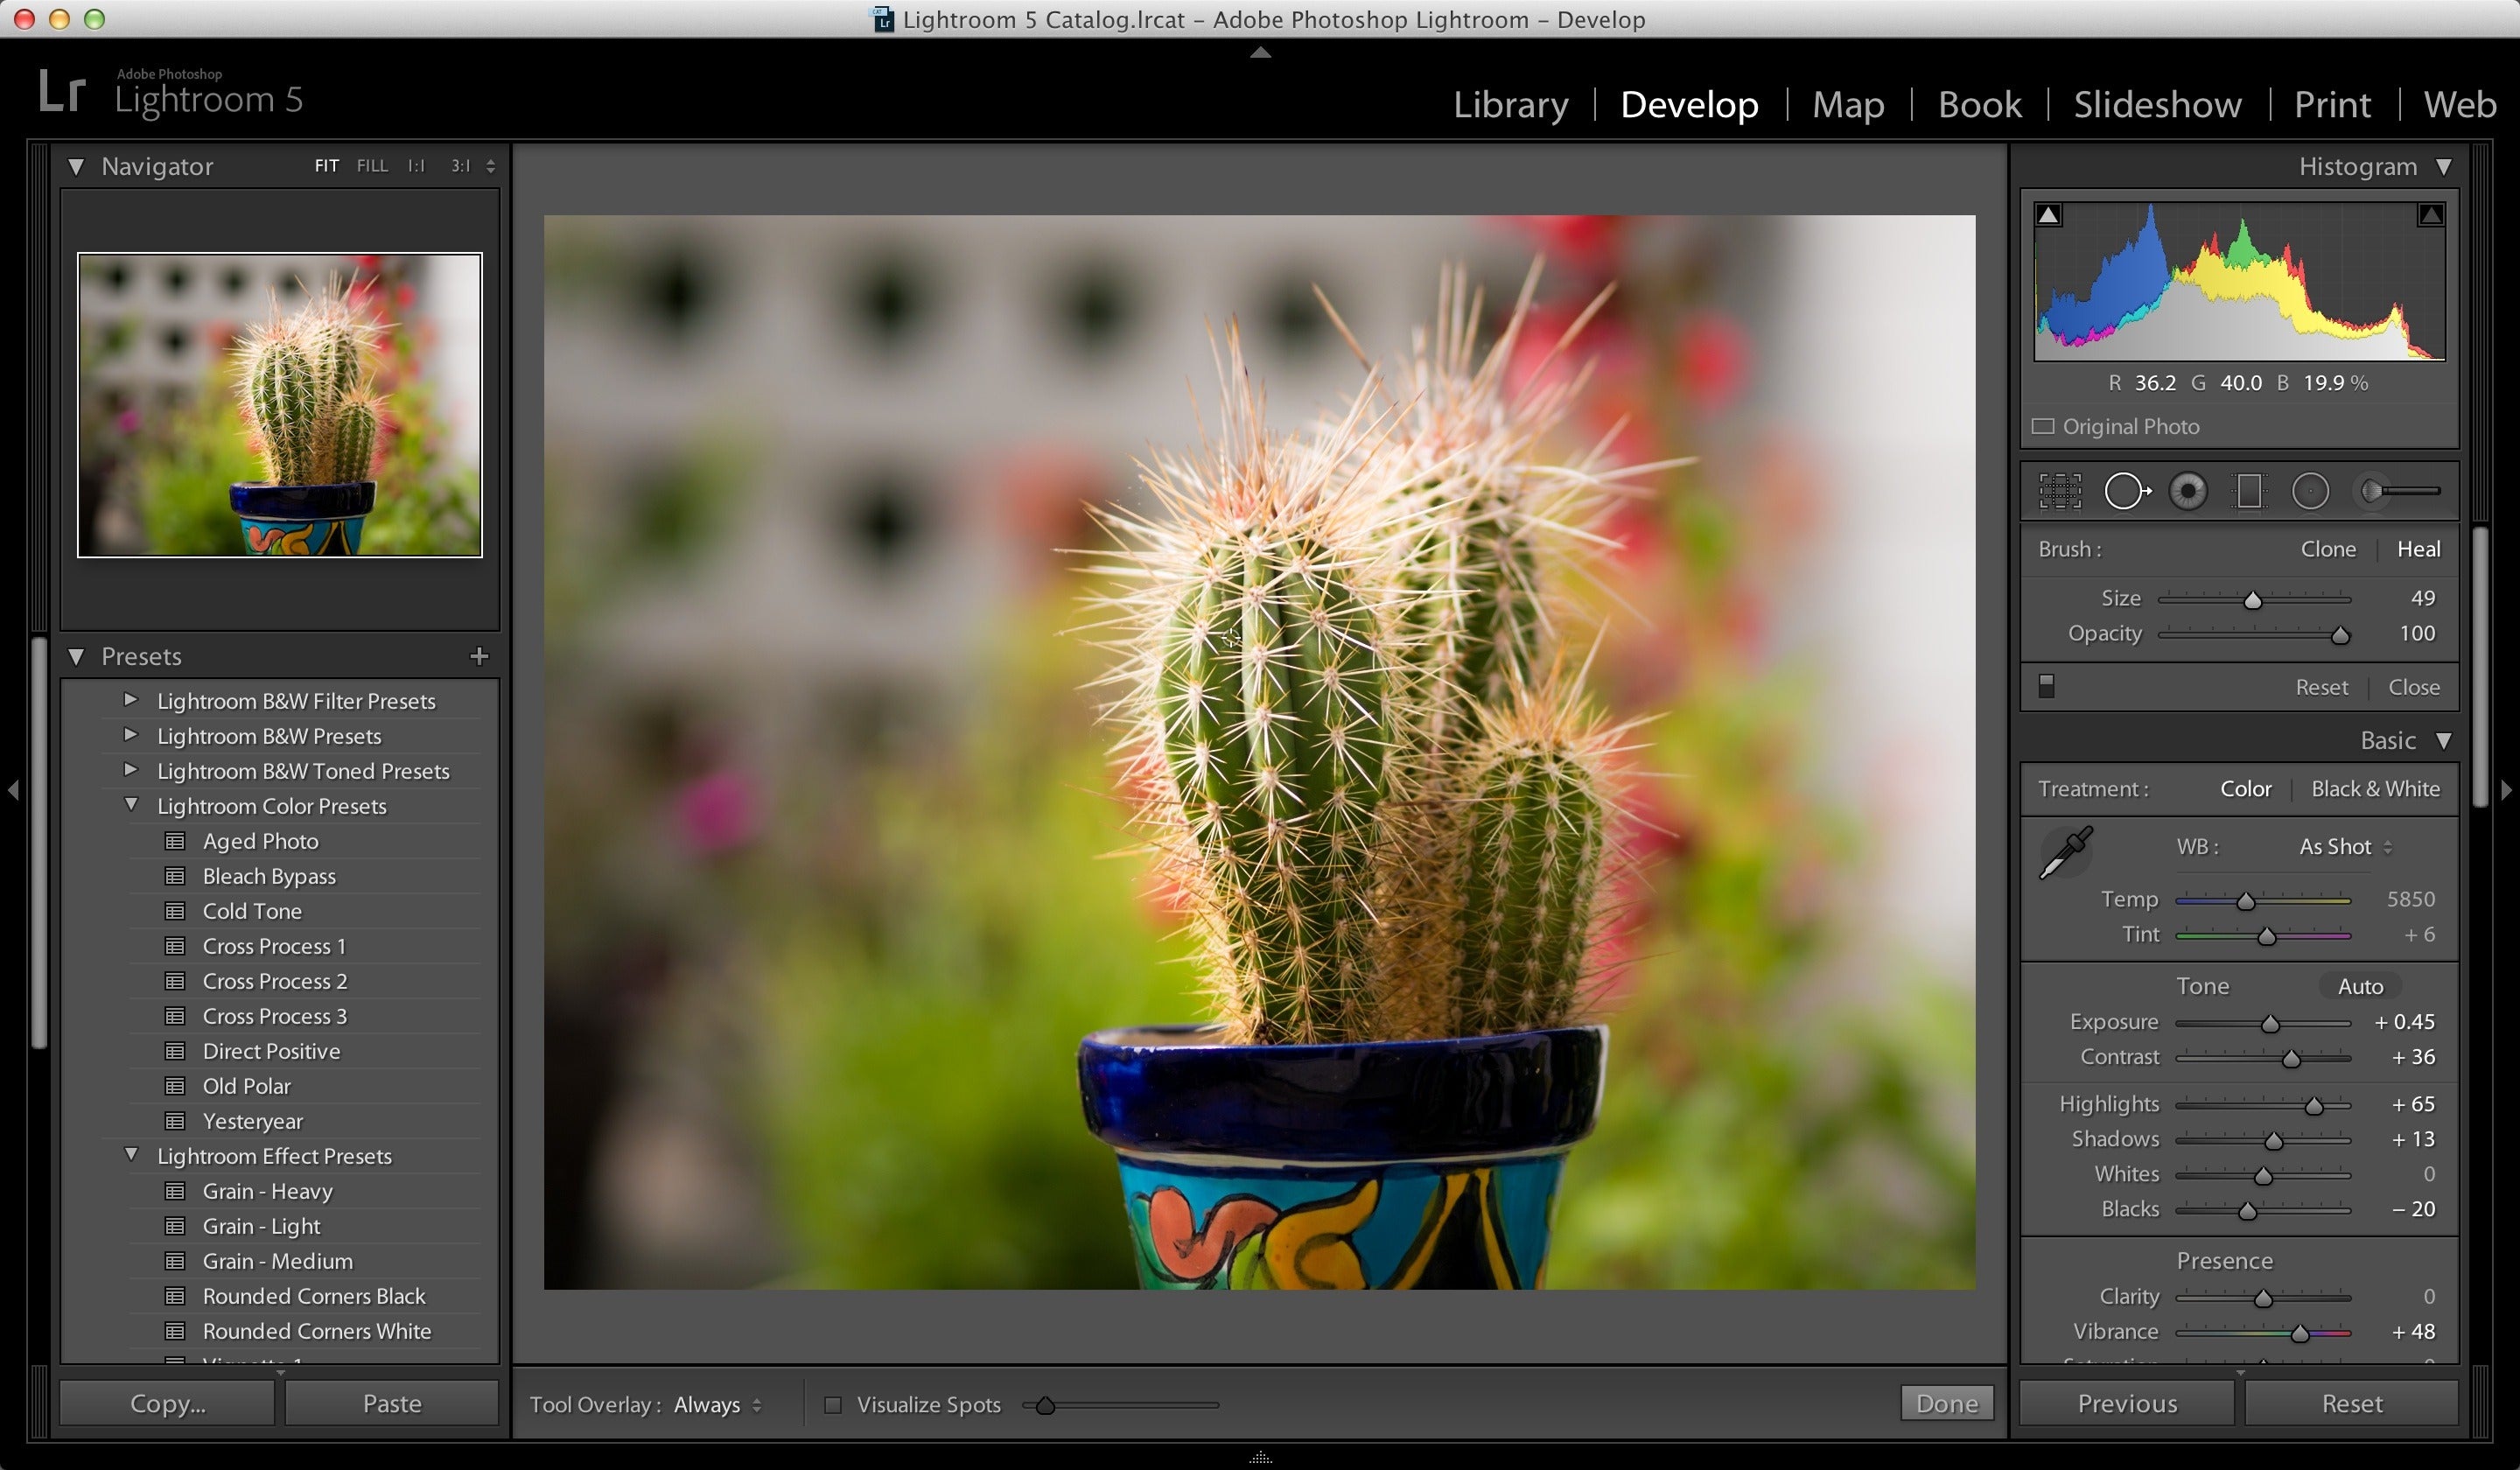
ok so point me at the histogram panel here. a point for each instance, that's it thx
(2309, 281)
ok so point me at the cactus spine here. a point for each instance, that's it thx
(302, 380)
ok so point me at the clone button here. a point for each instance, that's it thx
(2370, 1401)
(410, 1400)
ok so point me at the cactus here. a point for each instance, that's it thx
(1259, 682)
(1484, 523)
(1274, 711)
(355, 438)
(1389, 823)
(1479, 624)
(283, 403)
(1534, 832)
(303, 380)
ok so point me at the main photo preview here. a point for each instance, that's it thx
(1469, 665)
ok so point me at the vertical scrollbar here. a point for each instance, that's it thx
(39, 786)
(2480, 761)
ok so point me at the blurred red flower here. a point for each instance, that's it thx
(1586, 242)
(1040, 493)
(1714, 360)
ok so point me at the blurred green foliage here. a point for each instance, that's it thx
(1785, 1110)
(181, 467)
(174, 460)
(1810, 1153)
(916, 1090)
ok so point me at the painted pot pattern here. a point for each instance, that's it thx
(1392, 1164)
(303, 520)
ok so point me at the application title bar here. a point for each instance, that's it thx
(2185, 20)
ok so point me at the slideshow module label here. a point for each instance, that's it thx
(279, 1020)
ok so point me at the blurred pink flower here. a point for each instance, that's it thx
(1652, 822)
(717, 812)
(128, 421)
(1714, 361)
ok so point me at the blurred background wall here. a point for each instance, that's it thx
(828, 818)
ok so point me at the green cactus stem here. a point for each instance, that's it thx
(1534, 832)
(354, 439)
(1276, 710)
(1479, 626)
(301, 381)
(286, 407)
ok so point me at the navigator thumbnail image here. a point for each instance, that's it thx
(280, 405)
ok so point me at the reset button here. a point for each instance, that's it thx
(1946, 1401)
(2398, 1401)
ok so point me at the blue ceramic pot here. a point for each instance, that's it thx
(303, 520)
(1384, 1163)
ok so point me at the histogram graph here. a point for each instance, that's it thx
(2311, 280)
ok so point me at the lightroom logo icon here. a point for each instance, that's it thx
(883, 18)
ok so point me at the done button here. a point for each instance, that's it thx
(1947, 1401)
